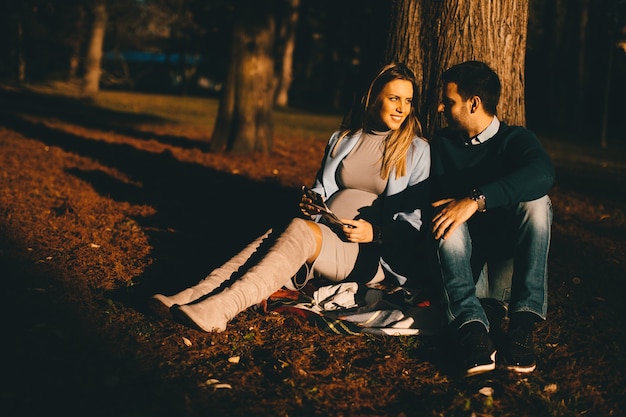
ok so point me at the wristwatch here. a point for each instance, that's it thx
(479, 198)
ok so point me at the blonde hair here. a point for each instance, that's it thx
(360, 117)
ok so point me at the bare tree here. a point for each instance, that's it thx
(432, 35)
(583, 27)
(19, 52)
(612, 26)
(93, 59)
(245, 122)
(287, 35)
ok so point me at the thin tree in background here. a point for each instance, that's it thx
(432, 35)
(245, 122)
(13, 24)
(613, 18)
(583, 27)
(19, 53)
(75, 43)
(93, 59)
(287, 35)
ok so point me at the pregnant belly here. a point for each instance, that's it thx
(346, 203)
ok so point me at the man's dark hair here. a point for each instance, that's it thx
(475, 78)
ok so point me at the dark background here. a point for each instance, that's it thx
(151, 43)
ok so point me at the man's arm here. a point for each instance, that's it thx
(531, 173)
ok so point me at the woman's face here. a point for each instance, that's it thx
(394, 103)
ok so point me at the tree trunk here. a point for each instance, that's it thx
(582, 59)
(245, 121)
(288, 38)
(612, 20)
(430, 36)
(606, 98)
(21, 61)
(93, 69)
(223, 131)
(76, 42)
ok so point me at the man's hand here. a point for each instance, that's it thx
(451, 214)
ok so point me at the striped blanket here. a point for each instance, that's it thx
(352, 308)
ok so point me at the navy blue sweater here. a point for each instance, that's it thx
(509, 168)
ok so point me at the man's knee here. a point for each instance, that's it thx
(537, 212)
(458, 242)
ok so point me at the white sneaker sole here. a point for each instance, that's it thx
(481, 369)
(522, 369)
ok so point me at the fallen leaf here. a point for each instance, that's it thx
(550, 389)
(216, 384)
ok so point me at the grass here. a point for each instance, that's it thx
(201, 112)
(124, 171)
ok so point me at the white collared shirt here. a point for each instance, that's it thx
(486, 134)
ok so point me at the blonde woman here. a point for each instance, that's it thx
(373, 177)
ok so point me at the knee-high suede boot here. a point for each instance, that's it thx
(290, 251)
(160, 304)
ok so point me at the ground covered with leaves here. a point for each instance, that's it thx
(103, 205)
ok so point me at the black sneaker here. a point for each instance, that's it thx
(476, 352)
(496, 312)
(519, 352)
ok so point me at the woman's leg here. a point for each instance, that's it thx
(295, 246)
(339, 260)
(161, 304)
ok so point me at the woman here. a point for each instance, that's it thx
(373, 176)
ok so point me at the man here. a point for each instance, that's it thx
(491, 223)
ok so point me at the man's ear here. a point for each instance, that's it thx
(475, 103)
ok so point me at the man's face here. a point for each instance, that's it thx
(454, 108)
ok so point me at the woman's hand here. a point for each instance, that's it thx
(307, 208)
(358, 231)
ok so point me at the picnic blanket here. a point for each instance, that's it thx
(352, 308)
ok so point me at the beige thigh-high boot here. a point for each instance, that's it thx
(290, 251)
(160, 304)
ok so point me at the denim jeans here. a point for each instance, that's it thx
(503, 254)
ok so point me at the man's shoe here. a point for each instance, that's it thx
(519, 352)
(496, 312)
(476, 352)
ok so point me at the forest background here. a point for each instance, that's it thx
(325, 50)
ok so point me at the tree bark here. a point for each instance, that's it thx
(288, 38)
(612, 20)
(20, 59)
(222, 132)
(93, 69)
(582, 58)
(430, 36)
(245, 120)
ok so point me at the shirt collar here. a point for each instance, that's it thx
(488, 133)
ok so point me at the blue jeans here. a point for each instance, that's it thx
(503, 254)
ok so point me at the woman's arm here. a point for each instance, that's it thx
(407, 203)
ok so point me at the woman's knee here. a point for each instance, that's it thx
(317, 232)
